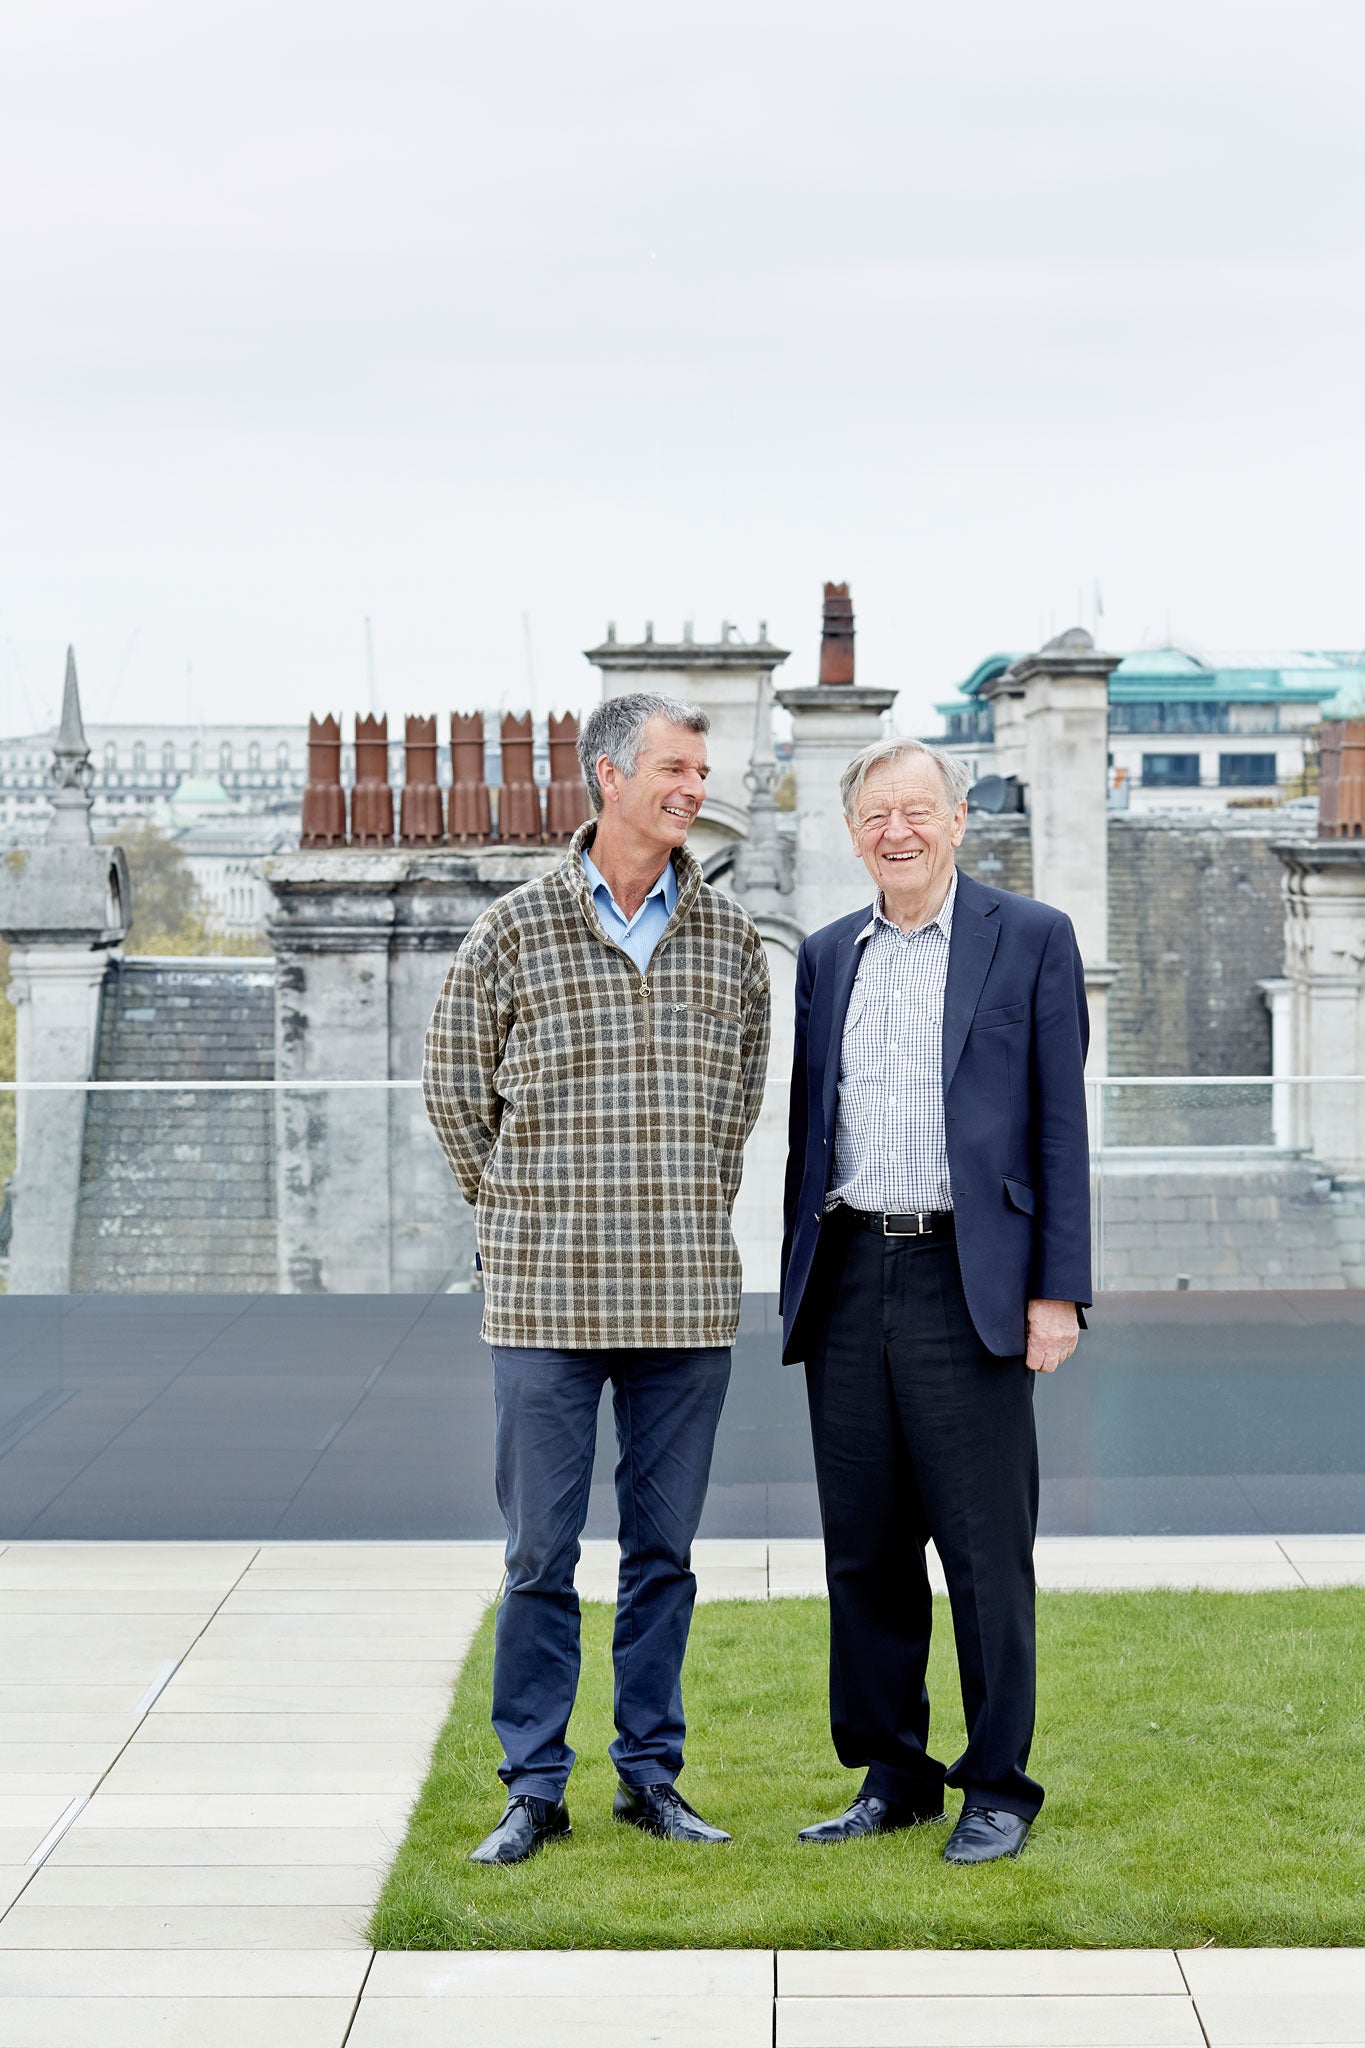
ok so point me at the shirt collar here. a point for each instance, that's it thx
(666, 886)
(944, 920)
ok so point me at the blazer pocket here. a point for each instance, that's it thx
(1010, 1013)
(1020, 1194)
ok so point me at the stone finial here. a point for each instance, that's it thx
(566, 799)
(324, 799)
(471, 815)
(518, 799)
(372, 798)
(836, 639)
(420, 818)
(71, 772)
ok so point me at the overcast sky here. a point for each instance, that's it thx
(494, 323)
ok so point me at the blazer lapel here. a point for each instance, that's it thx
(847, 955)
(976, 929)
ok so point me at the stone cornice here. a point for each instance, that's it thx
(1321, 856)
(836, 697)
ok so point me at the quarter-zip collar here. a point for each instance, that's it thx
(574, 877)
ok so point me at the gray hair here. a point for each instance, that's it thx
(885, 753)
(616, 728)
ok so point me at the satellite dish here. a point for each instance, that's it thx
(995, 794)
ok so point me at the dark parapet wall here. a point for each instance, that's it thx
(1196, 921)
(999, 852)
(178, 1186)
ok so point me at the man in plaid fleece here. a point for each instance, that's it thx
(593, 1068)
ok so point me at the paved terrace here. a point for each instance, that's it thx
(183, 1860)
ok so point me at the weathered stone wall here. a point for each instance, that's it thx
(998, 851)
(1231, 1222)
(1196, 919)
(177, 1187)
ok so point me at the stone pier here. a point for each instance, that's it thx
(64, 908)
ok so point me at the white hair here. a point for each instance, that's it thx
(886, 753)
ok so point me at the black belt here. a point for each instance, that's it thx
(919, 1222)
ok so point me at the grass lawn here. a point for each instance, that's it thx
(1203, 1754)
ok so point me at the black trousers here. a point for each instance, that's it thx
(921, 1432)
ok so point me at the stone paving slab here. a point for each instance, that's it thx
(966, 2022)
(183, 1973)
(66, 2022)
(173, 1925)
(1334, 1971)
(569, 2022)
(560, 1973)
(982, 1973)
(204, 1884)
(208, 1847)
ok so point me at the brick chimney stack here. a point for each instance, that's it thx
(420, 818)
(519, 822)
(324, 799)
(471, 816)
(836, 639)
(372, 798)
(1341, 791)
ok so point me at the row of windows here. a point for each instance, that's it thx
(225, 761)
(1181, 771)
(1211, 718)
(976, 725)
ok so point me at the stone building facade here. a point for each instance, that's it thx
(321, 1174)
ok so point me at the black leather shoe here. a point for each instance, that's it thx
(661, 1810)
(525, 1826)
(867, 1816)
(984, 1834)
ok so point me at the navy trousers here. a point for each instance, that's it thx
(667, 1405)
(921, 1432)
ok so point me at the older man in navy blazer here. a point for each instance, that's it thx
(936, 1256)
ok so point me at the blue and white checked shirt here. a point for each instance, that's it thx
(637, 935)
(890, 1146)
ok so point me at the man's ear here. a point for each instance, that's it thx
(959, 823)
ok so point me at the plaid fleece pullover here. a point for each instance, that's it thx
(596, 1116)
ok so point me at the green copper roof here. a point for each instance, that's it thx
(1171, 675)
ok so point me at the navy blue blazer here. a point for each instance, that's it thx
(1015, 1031)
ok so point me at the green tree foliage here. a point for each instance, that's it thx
(169, 912)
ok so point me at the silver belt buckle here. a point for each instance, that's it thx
(919, 1231)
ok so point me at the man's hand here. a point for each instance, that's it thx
(1053, 1333)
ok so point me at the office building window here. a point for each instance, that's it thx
(110, 757)
(253, 754)
(225, 758)
(139, 757)
(1246, 771)
(168, 758)
(1170, 771)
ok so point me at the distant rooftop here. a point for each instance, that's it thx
(1173, 674)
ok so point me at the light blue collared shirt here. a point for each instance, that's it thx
(638, 935)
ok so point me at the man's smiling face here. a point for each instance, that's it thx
(658, 803)
(904, 828)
